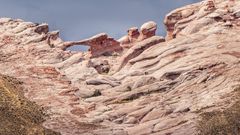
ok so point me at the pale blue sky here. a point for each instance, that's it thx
(79, 19)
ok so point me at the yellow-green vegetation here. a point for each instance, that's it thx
(226, 122)
(19, 116)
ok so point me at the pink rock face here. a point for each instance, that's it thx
(210, 5)
(133, 34)
(155, 87)
(170, 20)
(147, 30)
(180, 19)
(132, 37)
(101, 44)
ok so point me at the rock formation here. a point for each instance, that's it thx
(133, 34)
(147, 30)
(192, 18)
(152, 86)
(100, 44)
(210, 5)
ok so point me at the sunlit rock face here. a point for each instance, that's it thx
(102, 44)
(193, 18)
(147, 30)
(141, 84)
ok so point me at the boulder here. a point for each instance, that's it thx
(42, 28)
(148, 30)
(133, 34)
(131, 37)
(102, 66)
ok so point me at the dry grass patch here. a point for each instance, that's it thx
(19, 116)
(226, 122)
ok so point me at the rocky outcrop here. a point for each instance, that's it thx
(147, 30)
(179, 16)
(138, 48)
(102, 44)
(152, 86)
(194, 18)
(99, 44)
(132, 36)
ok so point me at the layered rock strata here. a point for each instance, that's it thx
(147, 30)
(153, 86)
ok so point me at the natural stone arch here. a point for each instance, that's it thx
(99, 44)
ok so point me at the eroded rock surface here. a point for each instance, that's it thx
(147, 30)
(100, 44)
(152, 86)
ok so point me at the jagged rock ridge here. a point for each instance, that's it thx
(142, 84)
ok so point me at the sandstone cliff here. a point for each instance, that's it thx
(138, 85)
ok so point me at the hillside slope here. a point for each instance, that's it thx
(18, 116)
(138, 85)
